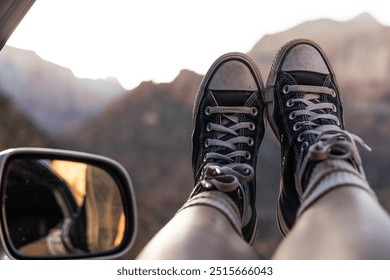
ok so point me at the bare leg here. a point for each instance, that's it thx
(200, 232)
(346, 223)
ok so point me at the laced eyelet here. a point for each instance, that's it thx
(333, 93)
(338, 122)
(300, 137)
(207, 111)
(297, 126)
(206, 143)
(304, 145)
(251, 142)
(204, 159)
(334, 108)
(292, 116)
(286, 89)
(248, 155)
(254, 111)
(290, 103)
(208, 127)
(252, 126)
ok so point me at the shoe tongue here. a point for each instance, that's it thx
(308, 78)
(231, 98)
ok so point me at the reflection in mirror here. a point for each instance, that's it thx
(58, 207)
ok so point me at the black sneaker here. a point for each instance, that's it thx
(306, 114)
(228, 126)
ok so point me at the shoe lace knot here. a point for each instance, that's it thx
(227, 179)
(224, 169)
(336, 144)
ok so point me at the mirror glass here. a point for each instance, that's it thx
(61, 207)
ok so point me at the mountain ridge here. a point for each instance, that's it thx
(41, 88)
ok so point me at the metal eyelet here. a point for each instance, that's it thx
(207, 111)
(290, 103)
(252, 126)
(297, 126)
(208, 127)
(292, 115)
(206, 143)
(286, 89)
(304, 145)
(251, 142)
(248, 155)
(300, 137)
(338, 122)
(334, 108)
(333, 93)
(254, 111)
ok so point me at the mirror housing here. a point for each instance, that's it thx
(60, 204)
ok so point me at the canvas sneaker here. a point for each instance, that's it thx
(228, 126)
(306, 114)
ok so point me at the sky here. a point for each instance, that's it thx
(142, 40)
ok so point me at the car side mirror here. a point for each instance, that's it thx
(59, 204)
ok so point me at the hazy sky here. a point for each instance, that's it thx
(137, 40)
